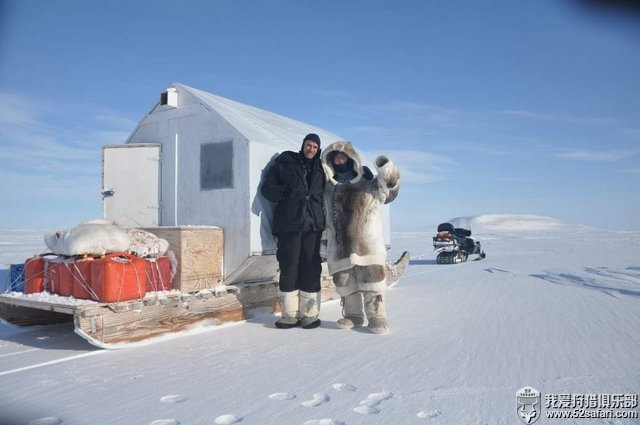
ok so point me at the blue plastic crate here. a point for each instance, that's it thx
(16, 276)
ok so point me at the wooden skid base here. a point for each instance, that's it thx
(113, 324)
(136, 321)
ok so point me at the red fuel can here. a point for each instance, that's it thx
(118, 277)
(81, 274)
(158, 272)
(59, 276)
(34, 275)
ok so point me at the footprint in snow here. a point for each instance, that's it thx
(343, 387)
(50, 420)
(227, 420)
(318, 399)
(323, 422)
(282, 396)
(176, 398)
(376, 398)
(369, 406)
(428, 414)
(367, 410)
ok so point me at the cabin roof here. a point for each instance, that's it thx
(259, 125)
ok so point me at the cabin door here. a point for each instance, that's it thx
(131, 184)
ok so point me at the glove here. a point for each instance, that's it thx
(294, 193)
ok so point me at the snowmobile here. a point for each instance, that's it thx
(455, 245)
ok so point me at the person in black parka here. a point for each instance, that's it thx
(295, 182)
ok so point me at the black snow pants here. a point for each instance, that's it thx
(298, 256)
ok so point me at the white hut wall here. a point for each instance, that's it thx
(212, 181)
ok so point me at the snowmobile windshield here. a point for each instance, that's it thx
(461, 223)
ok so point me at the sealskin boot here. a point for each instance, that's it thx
(376, 312)
(309, 310)
(289, 310)
(352, 310)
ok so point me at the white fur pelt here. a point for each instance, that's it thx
(95, 237)
(100, 237)
(353, 233)
(146, 244)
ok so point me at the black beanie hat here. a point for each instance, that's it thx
(313, 137)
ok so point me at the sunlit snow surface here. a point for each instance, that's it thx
(554, 306)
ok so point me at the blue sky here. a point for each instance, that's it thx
(487, 106)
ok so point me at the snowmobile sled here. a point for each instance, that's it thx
(455, 245)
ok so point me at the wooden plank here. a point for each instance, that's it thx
(27, 316)
(199, 255)
(255, 295)
(37, 304)
(113, 327)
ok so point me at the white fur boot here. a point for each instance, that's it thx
(309, 310)
(376, 312)
(289, 310)
(352, 310)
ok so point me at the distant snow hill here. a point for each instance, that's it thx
(487, 223)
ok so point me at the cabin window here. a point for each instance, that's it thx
(216, 166)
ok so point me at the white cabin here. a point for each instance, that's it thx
(197, 159)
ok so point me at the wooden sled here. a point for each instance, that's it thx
(114, 325)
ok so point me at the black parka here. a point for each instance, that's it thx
(296, 185)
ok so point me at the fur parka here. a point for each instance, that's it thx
(353, 232)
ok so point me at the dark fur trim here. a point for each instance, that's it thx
(366, 173)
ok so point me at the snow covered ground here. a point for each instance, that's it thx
(554, 306)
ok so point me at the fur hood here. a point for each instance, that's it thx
(354, 157)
